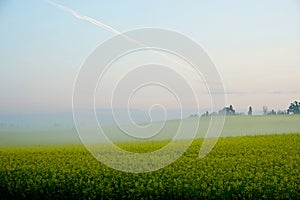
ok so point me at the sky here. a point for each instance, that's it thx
(255, 46)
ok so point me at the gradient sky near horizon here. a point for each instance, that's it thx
(254, 44)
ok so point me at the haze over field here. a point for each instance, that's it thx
(234, 126)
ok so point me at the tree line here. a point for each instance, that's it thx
(294, 108)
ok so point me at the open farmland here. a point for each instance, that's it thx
(150, 100)
(251, 167)
(234, 126)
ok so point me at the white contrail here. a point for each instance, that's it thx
(94, 21)
(86, 18)
(109, 28)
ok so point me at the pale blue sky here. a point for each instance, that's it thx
(255, 45)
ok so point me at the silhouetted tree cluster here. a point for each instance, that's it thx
(294, 108)
(280, 112)
(227, 111)
(273, 112)
(194, 115)
(205, 114)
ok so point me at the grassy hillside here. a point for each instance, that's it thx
(234, 126)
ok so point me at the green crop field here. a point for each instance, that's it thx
(250, 167)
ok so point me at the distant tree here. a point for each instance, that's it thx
(273, 112)
(265, 110)
(193, 115)
(227, 111)
(231, 109)
(294, 108)
(250, 111)
(280, 112)
(205, 114)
